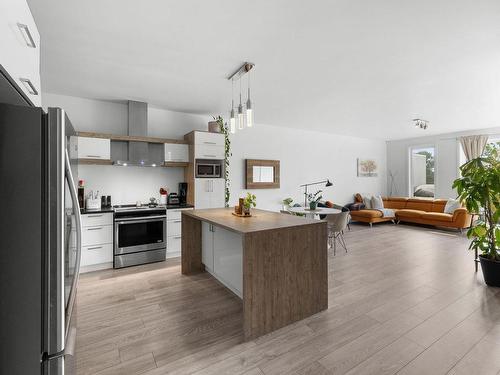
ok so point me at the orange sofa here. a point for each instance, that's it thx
(415, 210)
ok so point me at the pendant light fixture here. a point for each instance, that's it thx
(249, 106)
(232, 121)
(240, 120)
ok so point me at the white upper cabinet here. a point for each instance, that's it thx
(208, 145)
(94, 148)
(206, 138)
(177, 152)
(20, 46)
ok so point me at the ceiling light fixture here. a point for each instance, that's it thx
(245, 68)
(419, 123)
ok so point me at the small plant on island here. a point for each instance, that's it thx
(249, 201)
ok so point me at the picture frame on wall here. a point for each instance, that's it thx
(367, 167)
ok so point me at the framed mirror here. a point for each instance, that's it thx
(262, 174)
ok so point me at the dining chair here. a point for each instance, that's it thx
(337, 223)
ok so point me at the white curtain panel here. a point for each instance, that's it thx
(473, 145)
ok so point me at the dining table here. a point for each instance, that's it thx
(312, 213)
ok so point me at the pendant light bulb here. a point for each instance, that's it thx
(232, 122)
(249, 106)
(241, 119)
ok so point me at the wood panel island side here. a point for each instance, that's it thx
(277, 264)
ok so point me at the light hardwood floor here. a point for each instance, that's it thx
(404, 300)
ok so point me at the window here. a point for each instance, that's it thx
(422, 172)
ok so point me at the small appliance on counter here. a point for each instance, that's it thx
(173, 198)
(93, 201)
(163, 196)
(183, 190)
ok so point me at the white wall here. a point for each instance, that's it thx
(446, 160)
(305, 156)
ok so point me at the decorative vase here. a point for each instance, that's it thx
(213, 127)
(246, 211)
(313, 205)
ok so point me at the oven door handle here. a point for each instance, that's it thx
(140, 219)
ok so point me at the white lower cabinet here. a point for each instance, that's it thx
(97, 241)
(174, 232)
(222, 255)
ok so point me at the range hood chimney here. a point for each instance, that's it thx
(138, 152)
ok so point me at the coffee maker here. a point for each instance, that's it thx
(183, 190)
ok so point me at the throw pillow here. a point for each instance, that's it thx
(451, 206)
(367, 201)
(377, 202)
(329, 204)
(358, 198)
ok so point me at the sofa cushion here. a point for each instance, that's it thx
(437, 216)
(410, 213)
(419, 204)
(438, 205)
(451, 206)
(367, 213)
(377, 202)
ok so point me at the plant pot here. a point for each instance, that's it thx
(246, 210)
(313, 205)
(491, 271)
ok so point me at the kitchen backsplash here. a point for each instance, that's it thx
(129, 184)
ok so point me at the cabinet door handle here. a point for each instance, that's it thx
(209, 156)
(94, 215)
(178, 237)
(29, 86)
(94, 248)
(177, 221)
(25, 32)
(98, 228)
(209, 143)
(93, 156)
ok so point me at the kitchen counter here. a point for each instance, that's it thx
(276, 263)
(85, 211)
(260, 220)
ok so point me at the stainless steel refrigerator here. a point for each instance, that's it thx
(40, 241)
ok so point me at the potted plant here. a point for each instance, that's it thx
(286, 203)
(249, 202)
(313, 199)
(479, 189)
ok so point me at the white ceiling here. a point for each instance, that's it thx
(363, 68)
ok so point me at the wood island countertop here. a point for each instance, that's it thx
(260, 220)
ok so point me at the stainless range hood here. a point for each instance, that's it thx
(138, 152)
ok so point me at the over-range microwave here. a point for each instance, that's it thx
(208, 168)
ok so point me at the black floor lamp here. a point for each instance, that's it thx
(326, 182)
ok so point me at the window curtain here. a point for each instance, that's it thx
(473, 146)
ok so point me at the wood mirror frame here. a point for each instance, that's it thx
(249, 180)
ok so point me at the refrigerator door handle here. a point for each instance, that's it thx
(74, 198)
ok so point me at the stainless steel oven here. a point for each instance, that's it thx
(208, 168)
(139, 236)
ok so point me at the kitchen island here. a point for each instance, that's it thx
(276, 263)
